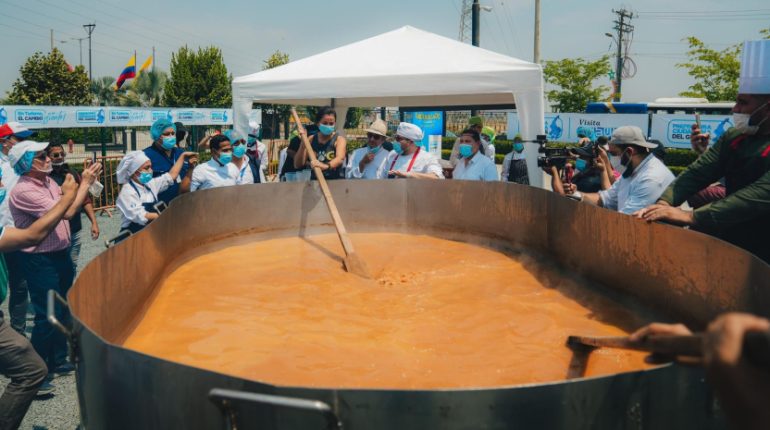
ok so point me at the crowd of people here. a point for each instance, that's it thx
(42, 198)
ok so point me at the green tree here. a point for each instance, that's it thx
(198, 79)
(48, 80)
(149, 87)
(574, 78)
(715, 72)
(276, 59)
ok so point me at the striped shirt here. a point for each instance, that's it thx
(31, 199)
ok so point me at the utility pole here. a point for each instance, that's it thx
(475, 15)
(153, 59)
(623, 27)
(52, 40)
(465, 18)
(89, 29)
(80, 46)
(537, 32)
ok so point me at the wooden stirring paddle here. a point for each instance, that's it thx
(756, 348)
(353, 262)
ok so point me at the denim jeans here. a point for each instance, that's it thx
(75, 249)
(48, 271)
(18, 301)
(27, 371)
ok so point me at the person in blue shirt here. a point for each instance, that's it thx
(163, 154)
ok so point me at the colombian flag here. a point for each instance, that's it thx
(128, 72)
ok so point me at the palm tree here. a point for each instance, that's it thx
(149, 86)
(103, 91)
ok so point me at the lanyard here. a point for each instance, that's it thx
(411, 163)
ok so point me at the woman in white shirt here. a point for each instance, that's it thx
(473, 164)
(408, 160)
(138, 197)
(369, 162)
(219, 171)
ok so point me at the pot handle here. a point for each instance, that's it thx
(225, 399)
(53, 297)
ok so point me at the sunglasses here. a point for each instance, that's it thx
(374, 136)
(57, 155)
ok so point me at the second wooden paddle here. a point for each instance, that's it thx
(353, 262)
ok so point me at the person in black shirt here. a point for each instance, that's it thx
(58, 174)
(329, 147)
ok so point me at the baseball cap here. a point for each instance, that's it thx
(17, 152)
(631, 135)
(15, 129)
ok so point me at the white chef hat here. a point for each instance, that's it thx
(409, 131)
(130, 163)
(755, 67)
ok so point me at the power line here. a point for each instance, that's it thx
(155, 30)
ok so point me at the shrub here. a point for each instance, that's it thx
(679, 157)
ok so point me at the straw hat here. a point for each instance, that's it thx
(378, 127)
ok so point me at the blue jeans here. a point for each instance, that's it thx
(75, 249)
(48, 271)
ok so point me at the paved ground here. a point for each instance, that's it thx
(61, 410)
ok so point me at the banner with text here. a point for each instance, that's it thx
(562, 127)
(110, 116)
(432, 125)
(674, 130)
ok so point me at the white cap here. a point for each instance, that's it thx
(130, 163)
(755, 67)
(17, 152)
(631, 135)
(409, 131)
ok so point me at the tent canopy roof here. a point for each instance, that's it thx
(404, 67)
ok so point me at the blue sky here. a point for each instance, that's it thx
(249, 31)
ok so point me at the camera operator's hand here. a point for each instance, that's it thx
(551, 170)
(570, 188)
(698, 141)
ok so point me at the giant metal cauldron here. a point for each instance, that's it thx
(684, 275)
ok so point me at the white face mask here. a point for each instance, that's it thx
(615, 163)
(741, 122)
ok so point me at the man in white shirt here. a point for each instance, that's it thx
(219, 171)
(643, 181)
(408, 160)
(370, 161)
(473, 164)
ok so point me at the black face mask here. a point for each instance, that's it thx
(625, 160)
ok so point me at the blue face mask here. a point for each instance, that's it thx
(145, 177)
(326, 129)
(239, 150)
(397, 147)
(581, 164)
(374, 150)
(24, 165)
(466, 150)
(3, 192)
(518, 147)
(225, 157)
(168, 142)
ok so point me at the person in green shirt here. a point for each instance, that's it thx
(742, 156)
(18, 359)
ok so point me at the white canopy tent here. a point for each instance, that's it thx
(406, 67)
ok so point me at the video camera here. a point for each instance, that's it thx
(551, 156)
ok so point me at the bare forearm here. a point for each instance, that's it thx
(592, 198)
(88, 208)
(176, 168)
(606, 184)
(80, 197)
